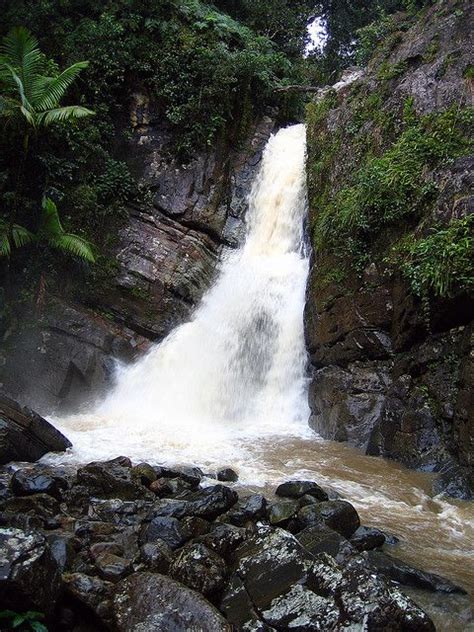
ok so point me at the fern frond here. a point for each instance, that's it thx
(66, 113)
(55, 88)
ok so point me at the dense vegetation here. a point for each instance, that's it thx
(378, 204)
(208, 72)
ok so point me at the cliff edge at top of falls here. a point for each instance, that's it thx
(390, 305)
(161, 262)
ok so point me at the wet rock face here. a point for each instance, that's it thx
(338, 515)
(148, 602)
(105, 550)
(405, 574)
(200, 568)
(381, 379)
(29, 574)
(298, 489)
(25, 436)
(164, 259)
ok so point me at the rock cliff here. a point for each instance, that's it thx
(162, 260)
(390, 348)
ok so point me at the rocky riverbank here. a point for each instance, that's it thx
(118, 546)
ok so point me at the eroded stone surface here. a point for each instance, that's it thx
(146, 602)
(29, 574)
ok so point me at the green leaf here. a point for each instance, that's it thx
(50, 224)
(55, 88)
(5, 251)
(52, 231)
(73, 245)
(58, 115)
(21, 236)
(38, 627)
(7, 614)
(18, 620)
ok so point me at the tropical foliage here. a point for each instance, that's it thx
(31, 91)
(30, 620)
(27, 91)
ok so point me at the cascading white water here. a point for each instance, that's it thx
(236, 371)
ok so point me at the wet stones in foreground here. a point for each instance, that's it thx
(141, 548)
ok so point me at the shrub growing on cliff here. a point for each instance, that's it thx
(397, 185)
(441, 263)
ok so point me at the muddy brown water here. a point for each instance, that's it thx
(436, 534)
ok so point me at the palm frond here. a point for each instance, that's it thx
(16, 44)
(66, 113)
(20, 88)
(21, 51)
(50, 224)
(5, 246)
(21, 236)
(52, 231)
(53, 89)
(73, 245)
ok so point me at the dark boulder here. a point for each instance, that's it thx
(119, 512)
(252, 508)
(208, 503)
(364, 598)
(92, 592)
(335, 514)
(227, 475)
(270, 563)
(322, 539)
(167, 529)
(63, 549)
(455, 481)
(367, 538)
(168, 487)
(25, 435)
(99, 548)
(29, 574)
(283, 511)
(238, 607)
(300, 610)
(39, 507)
(192, 475)
(297, 489)
(113, 568)
(223, 539)
(34, 480)
(111, 479)
(194, 527)
(91, 531)
(156, 556)
(199, 568)
(147, 602)
(144, 474)
(407, 575)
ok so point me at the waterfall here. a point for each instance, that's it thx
(234, 374)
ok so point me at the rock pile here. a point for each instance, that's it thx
(114, 546)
